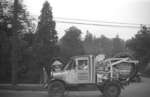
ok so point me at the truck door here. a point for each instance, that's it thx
(70, 69)
(82, 70)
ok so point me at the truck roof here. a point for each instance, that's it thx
(81, 56)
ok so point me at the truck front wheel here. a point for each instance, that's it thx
(111, 90)
(56, 89)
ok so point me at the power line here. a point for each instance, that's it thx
(97, 21)
(95, 24)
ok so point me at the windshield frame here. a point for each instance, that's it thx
(69, 64)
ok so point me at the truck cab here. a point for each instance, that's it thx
(78, 70)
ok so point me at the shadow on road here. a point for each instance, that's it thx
(84, 94)
(133, 90)
(44, 94)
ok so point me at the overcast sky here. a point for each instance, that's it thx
(128, 11)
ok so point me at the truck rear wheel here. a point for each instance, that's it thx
(111, 90)
(56, 89)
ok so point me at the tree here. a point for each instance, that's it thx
(71, 44)
(46, 37)
(89, 44)
(5, 67)
(15, 14)
(106, 45)
(118, 45)
(21, 24)
(140, 45)
(95, 46)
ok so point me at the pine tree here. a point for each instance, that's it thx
(89, 44)
(46, 37)
(15, 14)
(118, 45)
(46, 26)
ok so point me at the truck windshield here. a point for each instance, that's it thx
(70, 65)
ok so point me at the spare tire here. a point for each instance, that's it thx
(127, 70)
(134, 70)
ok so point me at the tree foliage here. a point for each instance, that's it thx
(23, 24)
(45, 47)
(140, 45)
(90, 45)
(71, 44)
(103, 45)
(118, 45)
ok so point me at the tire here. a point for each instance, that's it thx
(111, 90)
(100, 87)
(138, 79)
(56, 89)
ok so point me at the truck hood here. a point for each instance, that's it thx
(59, 75)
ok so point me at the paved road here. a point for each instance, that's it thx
(137, 89)
(134, 90)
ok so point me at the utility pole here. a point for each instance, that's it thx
(14, 41)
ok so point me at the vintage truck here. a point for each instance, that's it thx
(108, 75)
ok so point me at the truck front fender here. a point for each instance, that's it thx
(53, 79)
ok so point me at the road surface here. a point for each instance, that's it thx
(133, 90)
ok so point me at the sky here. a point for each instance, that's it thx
(126, 11)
